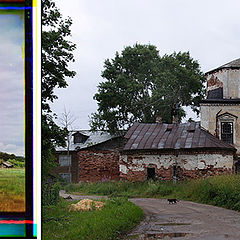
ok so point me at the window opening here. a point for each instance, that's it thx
(65, 160)
(66, 177)
(79, 138)
(227, 132)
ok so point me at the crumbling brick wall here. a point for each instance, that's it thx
(133, 167)
(98, 165)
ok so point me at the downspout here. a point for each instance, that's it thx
(216, 130)
(175, 166)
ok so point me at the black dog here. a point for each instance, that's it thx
(172, 200)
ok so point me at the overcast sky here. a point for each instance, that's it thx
(12, 83)
(208, 29)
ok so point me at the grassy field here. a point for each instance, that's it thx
(12, 190)
(223, 191)
(116, 218)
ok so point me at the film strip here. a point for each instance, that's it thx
(18, 221)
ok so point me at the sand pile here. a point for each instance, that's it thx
(86, 205)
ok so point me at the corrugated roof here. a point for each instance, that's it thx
(145, 136)
(94, 138)
(233, 64)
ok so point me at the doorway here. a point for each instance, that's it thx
(151, 173)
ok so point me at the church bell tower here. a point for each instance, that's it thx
(220, 111)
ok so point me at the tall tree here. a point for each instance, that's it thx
(140, 85)
(56, 55)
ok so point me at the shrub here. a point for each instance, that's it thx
(50, 193)
(17, 163)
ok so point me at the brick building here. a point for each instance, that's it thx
(89, 156)
(173, 151)
(220, 111)
(165, 151)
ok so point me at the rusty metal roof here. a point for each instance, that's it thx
(155, 136)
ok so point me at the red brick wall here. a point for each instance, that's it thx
(98, 165)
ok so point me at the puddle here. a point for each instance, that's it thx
(152, 236)
(173, 224)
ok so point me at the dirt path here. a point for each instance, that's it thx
(185, 220)
(65, 195)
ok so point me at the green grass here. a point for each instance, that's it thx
(12, 189)
(223, 191)
(116, 218)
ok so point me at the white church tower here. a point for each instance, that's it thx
(220, 111)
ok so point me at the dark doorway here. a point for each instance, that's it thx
(150, 173)
(237, 166)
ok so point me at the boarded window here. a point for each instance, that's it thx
(227, 132)
(65, 160)
(150, 173)
(66, 177)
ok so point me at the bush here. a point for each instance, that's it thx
(17, 163)
(50, 193)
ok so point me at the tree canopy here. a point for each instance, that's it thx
(56, 54)
(141, 85)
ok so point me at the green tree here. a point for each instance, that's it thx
(140, 85)
(56, 55)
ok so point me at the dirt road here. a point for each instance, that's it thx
(185, 220)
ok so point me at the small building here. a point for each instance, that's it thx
(6, 164)
(173, 151)
(89, 156)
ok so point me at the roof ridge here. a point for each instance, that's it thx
(232, 64)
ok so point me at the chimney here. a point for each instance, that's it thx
(158, 119)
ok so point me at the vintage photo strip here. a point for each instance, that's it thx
(19, 122)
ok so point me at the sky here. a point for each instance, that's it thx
(12, 83)
(209, 30)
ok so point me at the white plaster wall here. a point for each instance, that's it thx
(123, 169)
(231, 82)
(188, 162)
(208, 118)
(202, 161)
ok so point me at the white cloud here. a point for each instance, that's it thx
(12, 149)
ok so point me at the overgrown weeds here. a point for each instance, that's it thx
(12, 190)
(117, 217)
(221, 191)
